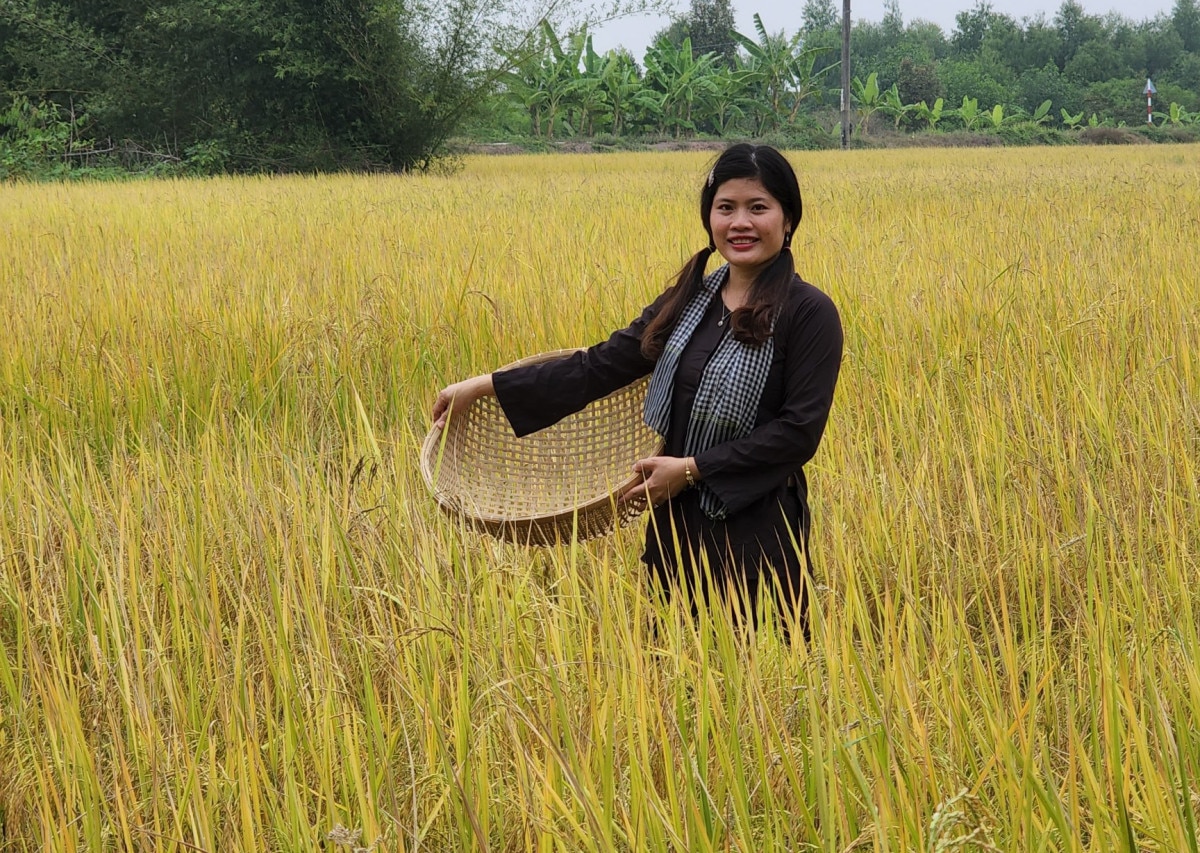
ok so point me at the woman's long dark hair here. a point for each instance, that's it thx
(752, 322)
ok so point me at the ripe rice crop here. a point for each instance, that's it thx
(231, 617)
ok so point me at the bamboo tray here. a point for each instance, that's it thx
(555, 485)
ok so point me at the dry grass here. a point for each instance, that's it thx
(231, 619)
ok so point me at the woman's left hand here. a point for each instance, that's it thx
(663, 477)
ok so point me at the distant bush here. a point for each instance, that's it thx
(1170, 133)
(1029, 133)
(1111, 136)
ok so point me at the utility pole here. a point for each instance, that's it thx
(845, 74)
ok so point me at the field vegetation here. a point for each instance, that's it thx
(231, 617)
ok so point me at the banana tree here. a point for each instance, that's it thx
(681, 81)
(525, 85)
(1042, 114)
(623, 89)
(545, 76)
(783, 70)
(1072, 121)
(932, 115)
(805, 78)
(969, 113)
(893, 106)
(1177, 116)
(728, 100)
(868, 98)
(587, 94)
(996, 115)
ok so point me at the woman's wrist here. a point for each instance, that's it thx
(689, 471)
(484, 386)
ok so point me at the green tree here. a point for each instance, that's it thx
(784, 72)
(1157, 46)
(1094, 61)
(1184, 72)
(930, 115)
(589, 96)
(1047, 83)
(1075, 28)
(918, 82)
(971, 27)
(709, 25)
(964, 78)
(681, 81)
(894, 106)
(1185, 15)
(267, 84)
(274, 84)
(969, 113)
(868, 98)
(1020, 46)
(546, 76)
(821, 16)
(822, 32)
(1120, 100)
(728, 102)
(893, 21)
(623, 89)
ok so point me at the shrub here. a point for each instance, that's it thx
(1111, 136)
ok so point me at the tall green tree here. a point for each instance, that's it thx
(1075, 28)
(971, 27)
(784, 70)
(708, 24)
(919, 82)
(683, 83)
(820, 16)
(1185, 15)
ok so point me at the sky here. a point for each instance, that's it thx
(635, 33)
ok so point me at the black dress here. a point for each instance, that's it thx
(759, 478)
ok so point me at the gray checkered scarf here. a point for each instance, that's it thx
(726, 403)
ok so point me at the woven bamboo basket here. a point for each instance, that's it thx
(554, 485)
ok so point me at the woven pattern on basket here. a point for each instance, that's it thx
(558, 483)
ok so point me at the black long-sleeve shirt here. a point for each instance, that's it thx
(759, 477)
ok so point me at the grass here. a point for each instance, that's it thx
(231, 618)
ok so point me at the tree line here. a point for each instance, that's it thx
(250, 85)
(992, 73)
(208, 86)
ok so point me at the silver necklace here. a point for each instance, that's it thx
(725, 312)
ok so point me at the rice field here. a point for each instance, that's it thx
(231, 617)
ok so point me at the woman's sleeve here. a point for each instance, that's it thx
(743, 470)
(535, 396)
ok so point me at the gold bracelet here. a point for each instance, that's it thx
(687, 472)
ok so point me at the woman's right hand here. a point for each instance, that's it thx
(459, 396)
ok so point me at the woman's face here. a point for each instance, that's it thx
(748, 224)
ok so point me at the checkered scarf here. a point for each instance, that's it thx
(726, 403)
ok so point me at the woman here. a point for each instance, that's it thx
(744, 362)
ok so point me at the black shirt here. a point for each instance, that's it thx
(759, 477)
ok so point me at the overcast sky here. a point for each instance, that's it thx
(635, 33)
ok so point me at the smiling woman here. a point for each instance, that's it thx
(742, 363)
